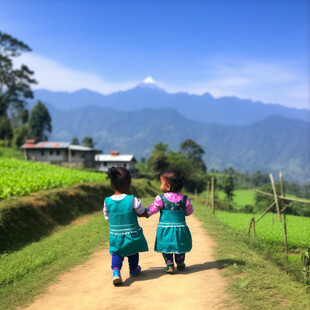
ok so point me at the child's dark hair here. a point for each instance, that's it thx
(175, 178)
(120, 178)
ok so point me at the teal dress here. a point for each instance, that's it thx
(126, 236)
(173, 235)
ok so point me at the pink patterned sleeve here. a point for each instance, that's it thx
(188, 208)
(155, 207)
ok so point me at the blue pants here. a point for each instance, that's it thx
(117, 261)
(179, 258)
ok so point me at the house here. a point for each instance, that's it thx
(106, 161)
(60, 153)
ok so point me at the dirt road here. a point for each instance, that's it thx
(89, 286)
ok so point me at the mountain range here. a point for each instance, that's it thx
(204, 108)
(248, 135)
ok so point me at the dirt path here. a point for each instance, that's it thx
(89, 286)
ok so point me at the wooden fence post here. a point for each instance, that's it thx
(284, 216)
(207, 193)
(253, 220)
(275, 197)
(250, 225)
(212, 195)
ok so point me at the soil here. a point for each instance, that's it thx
(89, 286)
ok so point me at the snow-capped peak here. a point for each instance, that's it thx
(149, 80)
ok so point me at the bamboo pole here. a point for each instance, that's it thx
(250, 225)
(284, 216)
(280, 197)
(275, 197)
(285, 235)
(212, 195)
(253, 220)
(265, 212)
(207, 193)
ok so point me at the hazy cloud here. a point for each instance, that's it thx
(269, 82)
(55, 76)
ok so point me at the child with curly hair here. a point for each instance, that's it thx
(173, 237)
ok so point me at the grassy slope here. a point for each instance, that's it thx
(254, 280)
(25, 273)
(11, 153)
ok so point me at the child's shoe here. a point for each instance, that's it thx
(135, 272)
(181, 267)
(117, 279)
(170, 269)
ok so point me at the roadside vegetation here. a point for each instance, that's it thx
(256, 279)
(25, 273)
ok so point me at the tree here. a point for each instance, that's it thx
(158, 160)
(194, 153)
(39, 122)
(88, 142)
(229, 188)
(75, 141)
(15, 83)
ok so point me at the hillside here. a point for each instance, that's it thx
(205, 108)
(270, 145)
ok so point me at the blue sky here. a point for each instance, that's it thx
(250, 49)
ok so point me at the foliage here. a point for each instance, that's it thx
(19, 136)
(229, 188)
(143, 169)
(20, 178)
(75, 141)
(305, 258)
(10, 153)
(88, 142)
(158, 160)
(15, 85)
(194, 152)
(39, 122)
(162, 158)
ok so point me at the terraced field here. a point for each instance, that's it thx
(20, 177)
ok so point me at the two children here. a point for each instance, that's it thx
(126, 236)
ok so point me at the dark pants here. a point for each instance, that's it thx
(179, 258)
(117, 261)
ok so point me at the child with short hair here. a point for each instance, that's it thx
(126, 236)
(173, 236)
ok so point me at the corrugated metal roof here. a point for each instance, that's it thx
(113, 158)
(80, 148)
(46, 145)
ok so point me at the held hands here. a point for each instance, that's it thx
(144, 214)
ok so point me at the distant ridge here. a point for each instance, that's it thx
(204, 108)
(270, 145)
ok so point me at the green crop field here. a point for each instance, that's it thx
(20, 177)
(241, 198)
(270, 229)
(10, 153)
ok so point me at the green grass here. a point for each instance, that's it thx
(11, 153)
(255, 281)
(19, 178)
(269, 229)
(241, 198)
(25, 273)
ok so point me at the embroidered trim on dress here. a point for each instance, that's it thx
(164, 226)
(125, 233)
